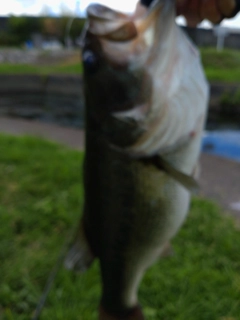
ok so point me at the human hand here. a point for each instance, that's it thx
(213, 10)
(197, 10)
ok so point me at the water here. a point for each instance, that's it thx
(225, 143)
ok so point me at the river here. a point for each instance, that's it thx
(224, 143)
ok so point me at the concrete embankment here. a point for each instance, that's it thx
(49, 98)
(59, 99)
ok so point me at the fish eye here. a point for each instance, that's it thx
(90, 61)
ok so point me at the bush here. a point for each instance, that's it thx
(7, 39)
(23, 27)
(76, 27)
(229, 101)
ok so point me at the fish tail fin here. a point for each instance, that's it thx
(79, 256)
(133, 314)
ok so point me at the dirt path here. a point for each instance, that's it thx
(220, 181)
(71, 137)
(219, 178)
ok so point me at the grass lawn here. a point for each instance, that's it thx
(71, 68)
(41, 197)
(221, 66)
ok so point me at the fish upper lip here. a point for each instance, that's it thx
(103, 20)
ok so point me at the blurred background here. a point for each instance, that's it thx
(43, 38)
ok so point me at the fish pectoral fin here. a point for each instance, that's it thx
(184, 179)
(79, 257)
(196, 171)
(137, 114)
(167, 250)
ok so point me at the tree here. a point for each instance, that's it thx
(23, 27)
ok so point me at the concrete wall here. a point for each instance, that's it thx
(51, 98)
(59, 99)
(224, 106)
(207, 38)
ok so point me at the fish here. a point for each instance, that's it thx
(146, 99)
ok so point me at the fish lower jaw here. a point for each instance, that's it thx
(131, 314)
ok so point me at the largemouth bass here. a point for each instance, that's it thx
(146, 100)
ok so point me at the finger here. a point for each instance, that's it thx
(209, 10)
(229, 8)
(192, 12)
(192, 20)
(146, 3)
(181, 5)
(184, 6)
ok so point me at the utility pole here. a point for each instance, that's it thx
(68, 42)
(221, 34)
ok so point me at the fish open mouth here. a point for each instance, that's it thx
(117, 26)
(109, 24)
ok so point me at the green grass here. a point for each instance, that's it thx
(223, 66)
(71, 68)
(41, 197)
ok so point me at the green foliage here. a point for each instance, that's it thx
(230, 98)
(77, 27)
(230, 102)
(202, 280)
(23, 27)
(24, 24)
(74, 26)
(221, 66)
(6, 68)
(41, 197)
(225, 59)
(7, 39)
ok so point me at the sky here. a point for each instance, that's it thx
(34, 7)
(55, 7)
